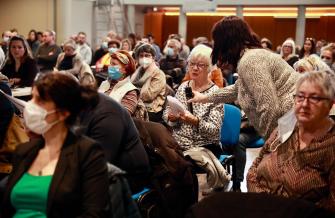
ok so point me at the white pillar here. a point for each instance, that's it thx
(182, 23)
(63, 20)
(300, 28)
(131, 17)
(239, 11)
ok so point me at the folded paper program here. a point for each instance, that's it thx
(175, 106)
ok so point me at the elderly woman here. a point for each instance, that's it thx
(265, 83)
(171, 64)
(311, 63)
(150, 80)
(302, 166)
(20, 66)
(60, 168)
(288, 52)
(119, 87)
(71, 62)
(199, 128)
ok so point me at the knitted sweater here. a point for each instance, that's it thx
(264, 89)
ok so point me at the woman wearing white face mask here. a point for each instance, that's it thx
(150, 80)
(60, 168)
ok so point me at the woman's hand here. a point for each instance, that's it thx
(198, 97)
(173, 118)
(189, 118)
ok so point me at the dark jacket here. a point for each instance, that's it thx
(27, 72)
(6, 111)
(111, 125)
(174, 67)
(79, 187)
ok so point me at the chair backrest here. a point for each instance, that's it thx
(230, 129)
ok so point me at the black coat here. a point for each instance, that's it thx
(79, 187)
(111, 125)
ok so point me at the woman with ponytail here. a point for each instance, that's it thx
(59, 174)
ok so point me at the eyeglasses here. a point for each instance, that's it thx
(199, 65)
(311, 99)
(309, 39)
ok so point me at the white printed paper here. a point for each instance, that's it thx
(175, 106)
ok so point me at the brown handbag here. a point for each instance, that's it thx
(15, 135)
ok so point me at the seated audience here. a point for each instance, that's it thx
(20, 66)
(5, 40)
(150, 80)
(33, 41)
(60, 168)
(101, 51)
(47, 52)
(71, 62)
(126, 46)
(288, 52)
(171, 64)
(311, 63)
(301, 164)
(308, 48)
(197, 130)
(107, 122)
(83, 49)
(103, 63)
(266, 43)
(328, 56)
(119, 87)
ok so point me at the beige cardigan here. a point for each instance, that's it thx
(264, 89)
(152, 84)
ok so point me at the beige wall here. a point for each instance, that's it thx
(26, 14)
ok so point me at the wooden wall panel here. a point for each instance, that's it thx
(276, 29)
(153, 23)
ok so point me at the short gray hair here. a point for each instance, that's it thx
(202, 51)
(325, 80)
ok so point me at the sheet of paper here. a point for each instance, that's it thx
(19, 104)
(18, 92)
(176, 107)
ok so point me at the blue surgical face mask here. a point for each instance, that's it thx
(114, 73)
(104, 45)
(112, 50)
(170, 52)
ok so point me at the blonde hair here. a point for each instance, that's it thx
(202, 51)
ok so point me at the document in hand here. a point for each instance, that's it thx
(19, 104)
(176, 107)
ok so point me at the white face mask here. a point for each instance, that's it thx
(34, 118)
(6, 39)
(145, 62)
(327, 61)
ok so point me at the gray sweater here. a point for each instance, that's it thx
(264, 89)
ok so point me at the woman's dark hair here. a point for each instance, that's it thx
(231, 36)
(313, 49)
(66, 93)
(35, 33)
(27, 50)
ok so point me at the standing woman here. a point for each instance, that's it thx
(308, 48)
(150, 80)
(266, 82)
(60, 174)
(20, 66)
